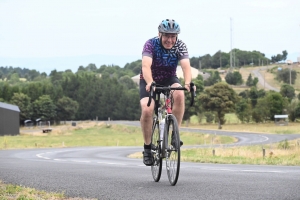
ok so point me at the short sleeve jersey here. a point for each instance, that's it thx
(164, 61)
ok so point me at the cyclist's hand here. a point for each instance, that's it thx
(187, 86)
(148, 86)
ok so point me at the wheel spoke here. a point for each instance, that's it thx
(156, 149)
(173, 144)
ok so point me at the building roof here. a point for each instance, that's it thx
(9, 107)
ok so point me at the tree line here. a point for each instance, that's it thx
(238, 58)
(83, 95)
(109, 92)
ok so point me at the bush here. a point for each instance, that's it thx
(284, 144)
(234, 78)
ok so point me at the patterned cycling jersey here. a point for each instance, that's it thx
(164, 61)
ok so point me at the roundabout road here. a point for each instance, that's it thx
(107, 173)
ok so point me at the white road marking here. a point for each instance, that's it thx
(59, 160)
(266, 138)
(83, 161)
(42, 156)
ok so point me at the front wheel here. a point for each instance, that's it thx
(156, 150)
(173, 149)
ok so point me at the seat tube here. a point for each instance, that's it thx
(168, 106)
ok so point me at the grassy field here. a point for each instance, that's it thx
(283, 153)
(94, 134)
(234, 124)
(268, 75)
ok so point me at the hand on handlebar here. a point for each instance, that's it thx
(188, 87)
(149, 85)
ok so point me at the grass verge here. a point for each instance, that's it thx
(95, 134)
(15, 192)
(283, 153)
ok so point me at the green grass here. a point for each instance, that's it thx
(233, 124)
(10, 192)
(275, 154)
(98, 135)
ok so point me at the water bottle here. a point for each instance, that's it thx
(162, 126)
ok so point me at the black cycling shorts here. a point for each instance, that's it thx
(168, 82)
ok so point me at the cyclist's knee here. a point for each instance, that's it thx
(178, 96)
(147, 112)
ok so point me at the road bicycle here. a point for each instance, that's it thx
(165, 138)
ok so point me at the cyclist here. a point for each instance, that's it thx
(159, 62)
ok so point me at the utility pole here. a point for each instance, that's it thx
(264, 80)
(290, 75)
(220, 59)
(199, 64)
(230, 44)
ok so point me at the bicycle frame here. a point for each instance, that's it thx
(166, 109)
(163, 145)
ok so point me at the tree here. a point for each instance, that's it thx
(279, 57)
(287, 76)
(44, 108)
(214, 78)
(287, 91)
(234, 78)
(219, 98)
(261, 112)
(205, 61)
(91, 67)
(56, 77)
(284, 55)
(249, 81)
(127, 82)
(253, 95)
(6, 92)
(276, 103)
(14, 78)
(196, 109)
(255, 81)
(32, 74)
(66, 108)
(243, 110)
(24, 104)
(294, 109)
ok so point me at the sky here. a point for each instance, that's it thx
(48, 35)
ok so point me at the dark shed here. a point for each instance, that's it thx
(9, 119)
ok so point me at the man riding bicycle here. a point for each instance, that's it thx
(160, 58)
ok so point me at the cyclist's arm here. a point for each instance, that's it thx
(187, 74)
(146, 68)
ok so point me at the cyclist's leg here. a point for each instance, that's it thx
(178, 105)
(146, 121)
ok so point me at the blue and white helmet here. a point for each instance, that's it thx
(169, 26)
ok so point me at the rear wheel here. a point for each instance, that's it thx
(173, 150)
(156, 150)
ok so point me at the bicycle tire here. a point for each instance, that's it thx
(172, 140)
(156, 168)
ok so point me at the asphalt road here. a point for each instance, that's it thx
(107, 173)
(261, 79)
